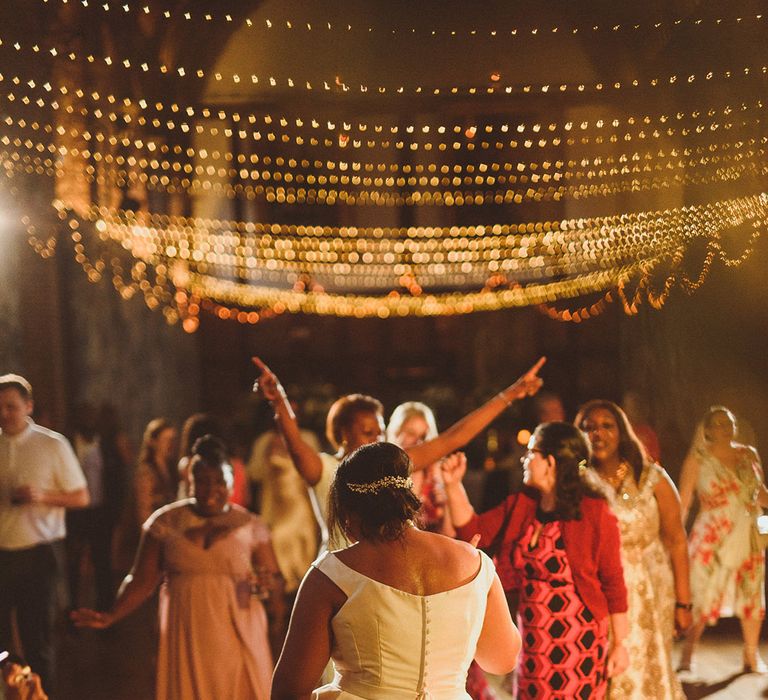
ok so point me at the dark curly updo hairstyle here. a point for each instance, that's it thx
(631, 450)
(210, 452)
(383, 512)
(570, 449)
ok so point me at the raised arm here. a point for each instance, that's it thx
(673, 536)
(461, 432)
(305, 457)
(137, 586)
(481, 530)
(460, 509)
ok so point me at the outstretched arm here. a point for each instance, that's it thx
(461, 432)
(305, 457)
(135, 589)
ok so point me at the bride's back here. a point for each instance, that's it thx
(402, 612)
(419, 563)
(408, 624)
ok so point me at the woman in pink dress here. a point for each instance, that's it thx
(216, 564)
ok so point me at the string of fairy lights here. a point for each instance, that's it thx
(645, 238)
(496, 85)
(247, 271)
(636, 127)
(298, 25)
(377, 189)
(330, 197)
(621, 249)
(130, 111)
(154, 148)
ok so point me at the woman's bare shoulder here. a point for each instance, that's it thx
(461, 558)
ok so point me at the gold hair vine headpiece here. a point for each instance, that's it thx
(399, 482)
(582, 466)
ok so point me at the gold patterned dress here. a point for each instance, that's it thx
(650, 590)
(727, 561)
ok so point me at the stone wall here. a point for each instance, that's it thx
(119, 351)
(11, 344)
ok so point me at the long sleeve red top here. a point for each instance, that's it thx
(592, 545)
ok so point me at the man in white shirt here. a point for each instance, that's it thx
(40, 477)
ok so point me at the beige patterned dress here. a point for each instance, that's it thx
(650, 590)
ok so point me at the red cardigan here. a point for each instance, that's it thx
(592, 545)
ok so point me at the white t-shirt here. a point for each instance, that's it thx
(44, 459)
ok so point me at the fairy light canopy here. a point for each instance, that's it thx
(364, 159)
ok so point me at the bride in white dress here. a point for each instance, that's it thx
(401, 612)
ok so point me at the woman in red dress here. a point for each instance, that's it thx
(563, 542)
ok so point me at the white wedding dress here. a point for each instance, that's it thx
(393, 645)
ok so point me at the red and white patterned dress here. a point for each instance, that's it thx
(727, 560)
(564, 647)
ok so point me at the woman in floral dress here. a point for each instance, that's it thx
(727, 559)
(653, 551)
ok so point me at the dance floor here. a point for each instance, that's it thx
(119, 664)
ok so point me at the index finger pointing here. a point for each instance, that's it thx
(539, 364)
(259, 364)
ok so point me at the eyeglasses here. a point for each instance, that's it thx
(531, 451)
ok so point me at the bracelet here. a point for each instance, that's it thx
(683, 606)
(507, 401)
